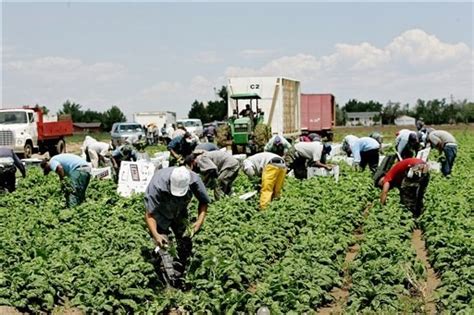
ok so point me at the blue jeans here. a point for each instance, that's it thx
(450, 152)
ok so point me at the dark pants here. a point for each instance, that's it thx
(450, 152)
(299, 168)
(7, 178)
(412, 191)
(184, 244)
(370, 158)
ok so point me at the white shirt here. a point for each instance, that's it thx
(100, 147)
(258, 162)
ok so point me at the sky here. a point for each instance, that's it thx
(163, 56)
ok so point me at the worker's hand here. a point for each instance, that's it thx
(161, 241)
(66, 186)
(180, 160)
(329, 167)
(356, 166)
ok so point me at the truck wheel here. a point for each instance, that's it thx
(28, 151)
(61, 146)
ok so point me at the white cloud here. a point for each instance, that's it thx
(414, 64)
(60, 70)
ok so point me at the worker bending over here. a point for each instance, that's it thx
(9, 162)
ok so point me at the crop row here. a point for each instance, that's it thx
(385, 271)
(448, 226)
(288, 257)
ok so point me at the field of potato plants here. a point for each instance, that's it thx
(321, 248)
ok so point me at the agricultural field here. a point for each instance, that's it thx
(321, 248)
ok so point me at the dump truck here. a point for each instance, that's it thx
(26, 130)
(318, 114)
(275, 106)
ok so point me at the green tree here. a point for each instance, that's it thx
(340, 116)
(354, 105)
(92, 116)
(390, 112)
(111, 116)
(198, 111)
(217, 110)
(44, 109)
(72, 109)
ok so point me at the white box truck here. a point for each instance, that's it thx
(159, 118)
(279, 100)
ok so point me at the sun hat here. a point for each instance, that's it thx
(179, 181)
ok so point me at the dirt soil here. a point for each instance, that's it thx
(432, 280)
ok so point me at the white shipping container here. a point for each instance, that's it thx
(159, 118)
(280, 101)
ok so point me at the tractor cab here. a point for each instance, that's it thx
(244, 119)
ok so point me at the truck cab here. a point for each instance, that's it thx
(24, 131)
(18, 130)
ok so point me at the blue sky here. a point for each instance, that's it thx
(162, 56)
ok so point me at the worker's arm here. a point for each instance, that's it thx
(151, 223)
(19, 164)
(202, 212)
(384, 193)
(60, 172)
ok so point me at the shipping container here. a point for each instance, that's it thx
(318, 112)
(280, 101)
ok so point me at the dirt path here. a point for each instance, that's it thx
(341, 295)
(428, 287)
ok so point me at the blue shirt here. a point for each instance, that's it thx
(362, 145)
(69, 162)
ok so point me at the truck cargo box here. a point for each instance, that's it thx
(317, 112)
(280, 101)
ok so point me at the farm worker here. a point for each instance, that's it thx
(97, 153)
(314, 137)
(166, 200)
(311, 154)
(411, 177)
(271, 168)
(125, 152)
(207, 146)
(406, 143)
(180, 147)
(446, 143)
(420, 124)
(247, 112)
(78, 172)
(365, 151)
(180, 130)
(219, 170)
(9, 162)
(377, 136)
(347, 142)
(88, 140)
(278, 145)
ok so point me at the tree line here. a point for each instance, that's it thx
(213, 110)
(433, 112)
(106, 118)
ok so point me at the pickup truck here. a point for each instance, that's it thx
(25, 131)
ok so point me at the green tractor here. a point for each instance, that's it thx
(248, 132)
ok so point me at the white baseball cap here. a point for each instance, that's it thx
(249, 170)
(179, 181)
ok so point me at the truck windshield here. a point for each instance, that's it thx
(129, 128)
(13, 118)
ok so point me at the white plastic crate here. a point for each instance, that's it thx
(319, 171)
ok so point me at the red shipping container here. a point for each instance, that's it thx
(317, 112)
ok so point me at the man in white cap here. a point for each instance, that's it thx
(166, 200)
(271, 168)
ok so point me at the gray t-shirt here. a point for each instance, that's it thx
(216, 160)
(310, 150)
(260, 160)
(207, 147)
(440, 136)
(167, 208)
